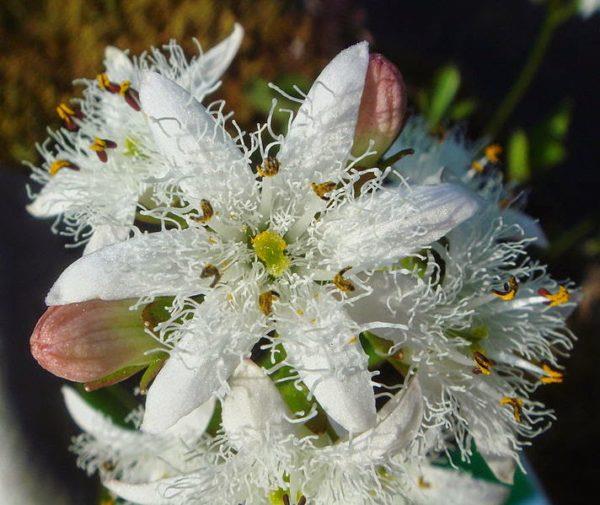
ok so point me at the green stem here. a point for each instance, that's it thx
(556, 15)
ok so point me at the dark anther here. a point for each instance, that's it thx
(211, 271)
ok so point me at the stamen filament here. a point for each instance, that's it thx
(313, 206)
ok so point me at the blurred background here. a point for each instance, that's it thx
(459, 58)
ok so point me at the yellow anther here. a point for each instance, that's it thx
(103, 81)
(484, 364)
(561, 297)
(552, 376)
(207, 212)
(516, 404)
(265, 301)
(98, 145)
(269, 167)
(57, 165)
(352, 340)
(270, 248)
(422, 483)
(323, 189)
(477, 166)
(64, 111)
(67, 114)
(493, 152)
(211, 271)
(299, 312)
(343, 284)
(510, 290)
(124, 87)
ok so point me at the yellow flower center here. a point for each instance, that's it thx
(270, 249)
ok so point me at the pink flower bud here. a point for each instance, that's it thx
(382, 109)
(88, 341)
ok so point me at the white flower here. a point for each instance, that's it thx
(454, 159)
(274, 259)
(478, 303)
(114, 450)
(101, 165)
(262, 455)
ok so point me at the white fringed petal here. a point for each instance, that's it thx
(118, 66)
(58, 195)
(253, 406)
(398, 424)
(323, 347)
(195, 423)
(147, 493)
(531, 227)
(380, 228)
(204, 72)
(211, 164)
(503, 467)
(187, 380)
(105, 235)
(163, 263)
(449, 487)
(89, 419)
(213, 344)
(320, 137)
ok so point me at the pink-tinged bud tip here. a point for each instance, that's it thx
(382, 109)
(85, 342)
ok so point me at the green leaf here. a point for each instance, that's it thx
(548, 137)
(463, 109)
(517, 157)
(549, 154)
(445, 87)
(558, 123)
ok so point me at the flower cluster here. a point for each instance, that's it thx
(318, 314)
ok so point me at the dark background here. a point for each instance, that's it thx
(488, 40)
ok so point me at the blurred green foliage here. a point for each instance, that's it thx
(540, 148)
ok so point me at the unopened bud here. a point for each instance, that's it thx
(92, 341)
(382, 109)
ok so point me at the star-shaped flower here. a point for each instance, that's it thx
(274, 258)
(101, 167)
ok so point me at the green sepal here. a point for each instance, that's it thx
(378, 351)
(152, 371)
(113, 378)
(157, 311)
